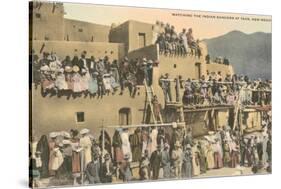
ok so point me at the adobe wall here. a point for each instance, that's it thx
(120, 34)
(252, 119)
(136, 27)
(184, 66)
(149, 52)
(71, 48)
(57, 114)
(128, 33)
(47, 21)
(224, 69)
(83, 31)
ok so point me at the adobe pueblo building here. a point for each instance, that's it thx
(51, 32)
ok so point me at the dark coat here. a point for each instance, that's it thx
(155, 163)
(105, 177)
(43, 147)
(93, 172)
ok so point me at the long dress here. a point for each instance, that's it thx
(187, 164)
(43, 147)
(153, 140)
(195, 161)
(126, 147)
(217, 156)
(210, 157)
(135, 142)
(107, 83)
(85, 82)
(76, 79)
(51, 145)
(60, 82)
(117, 147)
(47, 82)
(57, 159)
(86, 144)
(234, 157)
(76, 156)
(93, 85)
(226, 156)
(69, 81)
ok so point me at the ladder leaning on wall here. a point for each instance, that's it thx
(149, 94)
(237, 108)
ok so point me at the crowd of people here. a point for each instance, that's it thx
(89, 76)
(216, 90)
(155, 152)
(175, 44)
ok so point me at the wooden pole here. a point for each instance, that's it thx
(142, 125)
(102, 142)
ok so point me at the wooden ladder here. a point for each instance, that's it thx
(237, 108)
(148, 104)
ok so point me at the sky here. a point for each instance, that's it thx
(204, 24)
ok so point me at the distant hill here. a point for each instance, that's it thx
(250, 54)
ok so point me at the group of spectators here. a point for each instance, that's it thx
(89, 76)
(217, 60)
(156, 152)
(175, 44)
(216, 90)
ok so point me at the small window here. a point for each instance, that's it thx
(80, 117)
(175, 66)
(38, 15)
(80, 30)
(142, 40)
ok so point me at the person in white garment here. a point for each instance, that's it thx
(86, 144)
(153, 139)
(126, 147)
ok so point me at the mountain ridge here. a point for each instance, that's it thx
(250, 54)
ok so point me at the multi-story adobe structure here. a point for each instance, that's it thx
(51, 32)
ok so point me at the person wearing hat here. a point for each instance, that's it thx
(217, 148)
(177, 134)
(187, 162)
(67, 154)
(148, 72)
(144, 167)
(183, 39)
(96, 149)
(93, 170)
(52, 143)
(210, 156)
(166, 161)
(60, 83)
(76, 79)
(125, 169)
(202, 157)
(161, 42)
(57, 161)
(83, 62)
(195, 160)
(177, 159)
(126, 146)
(86, 144)
(107, 169)
(155, 162)
(76, 155)
(166, 86)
